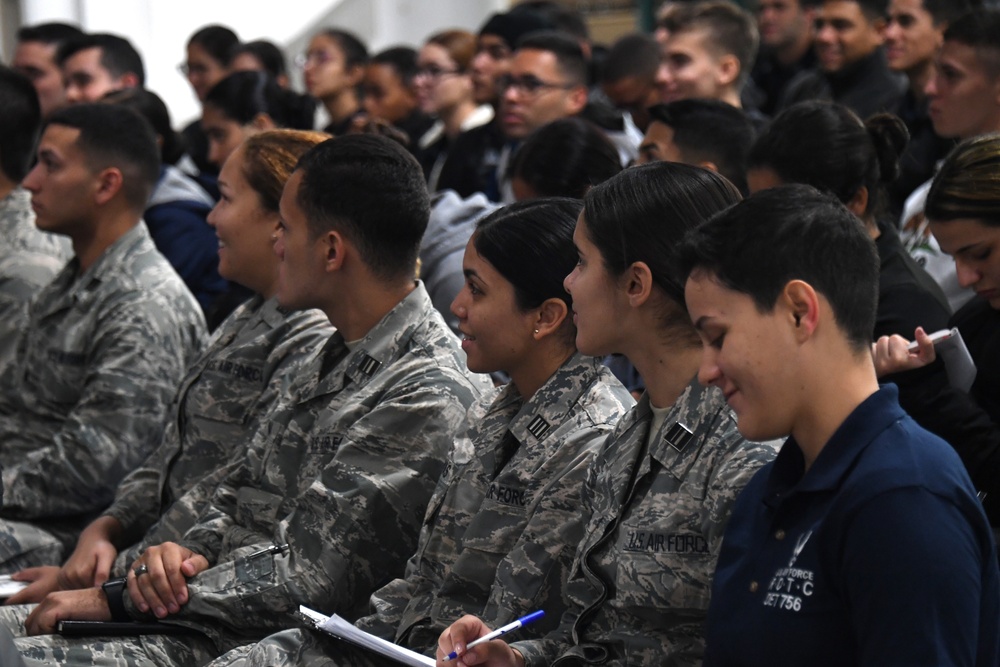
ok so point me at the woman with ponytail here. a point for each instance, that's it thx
(827, 146)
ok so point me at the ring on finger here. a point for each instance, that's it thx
(141, 570)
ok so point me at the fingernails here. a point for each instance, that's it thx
(143, 607)
(160, 612)
(173, 608)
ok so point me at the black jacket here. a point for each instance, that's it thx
(969, 421)
(866, 87)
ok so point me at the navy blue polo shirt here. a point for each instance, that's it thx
(880, 554)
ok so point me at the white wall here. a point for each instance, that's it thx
(160, 28)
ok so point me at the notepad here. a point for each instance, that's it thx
(9, 587)
(338, 627)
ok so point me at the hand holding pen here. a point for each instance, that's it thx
(469, 632)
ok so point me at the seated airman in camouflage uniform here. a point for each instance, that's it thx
(106, 342)
(241, 373)
(503, 524)
(661, 489)
(328, 500)
(29, 257)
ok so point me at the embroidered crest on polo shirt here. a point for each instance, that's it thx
(538, 427)
(791, 587)
(800, 544)
(679, 436)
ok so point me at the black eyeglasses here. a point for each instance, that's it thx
(529, 85)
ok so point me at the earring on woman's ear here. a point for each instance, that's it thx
(536, 330)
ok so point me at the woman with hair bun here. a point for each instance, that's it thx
(827, 146)
(661, 489)
(504, 522)
(563, 158)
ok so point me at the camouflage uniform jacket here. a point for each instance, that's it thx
(245, 367)
(29, 260)
(499, 537)
(643, 572)
(341, 471)
(94, 375)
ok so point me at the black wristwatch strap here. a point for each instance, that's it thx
(114, 591)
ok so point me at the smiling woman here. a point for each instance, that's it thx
(506, 516)
(246, 216)
(863, 543)
(661, 488)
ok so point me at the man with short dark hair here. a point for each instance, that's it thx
(547, 80)
(95, 65)
(703, 133)
(964, 93)
(105, 344)
(852, 66)
(913, 35)
(29, 258)
(963, 102)
(331, 495)
(36, 57)
(495, 46)
(628, 76)
(786, 38)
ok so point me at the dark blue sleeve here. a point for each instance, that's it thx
(913, 580)
(182, 235)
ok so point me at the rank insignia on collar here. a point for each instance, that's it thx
(368, 365)
(538, 427)
(679, 436)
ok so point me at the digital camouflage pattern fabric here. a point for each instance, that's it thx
(642, 576)
(501, 529)
(248, 364)
(29, 260)
(19, 650)
(87, 396)
(341, 470)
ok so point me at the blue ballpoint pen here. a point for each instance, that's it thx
(524, 620)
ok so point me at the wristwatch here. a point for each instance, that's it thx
(114, 591)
